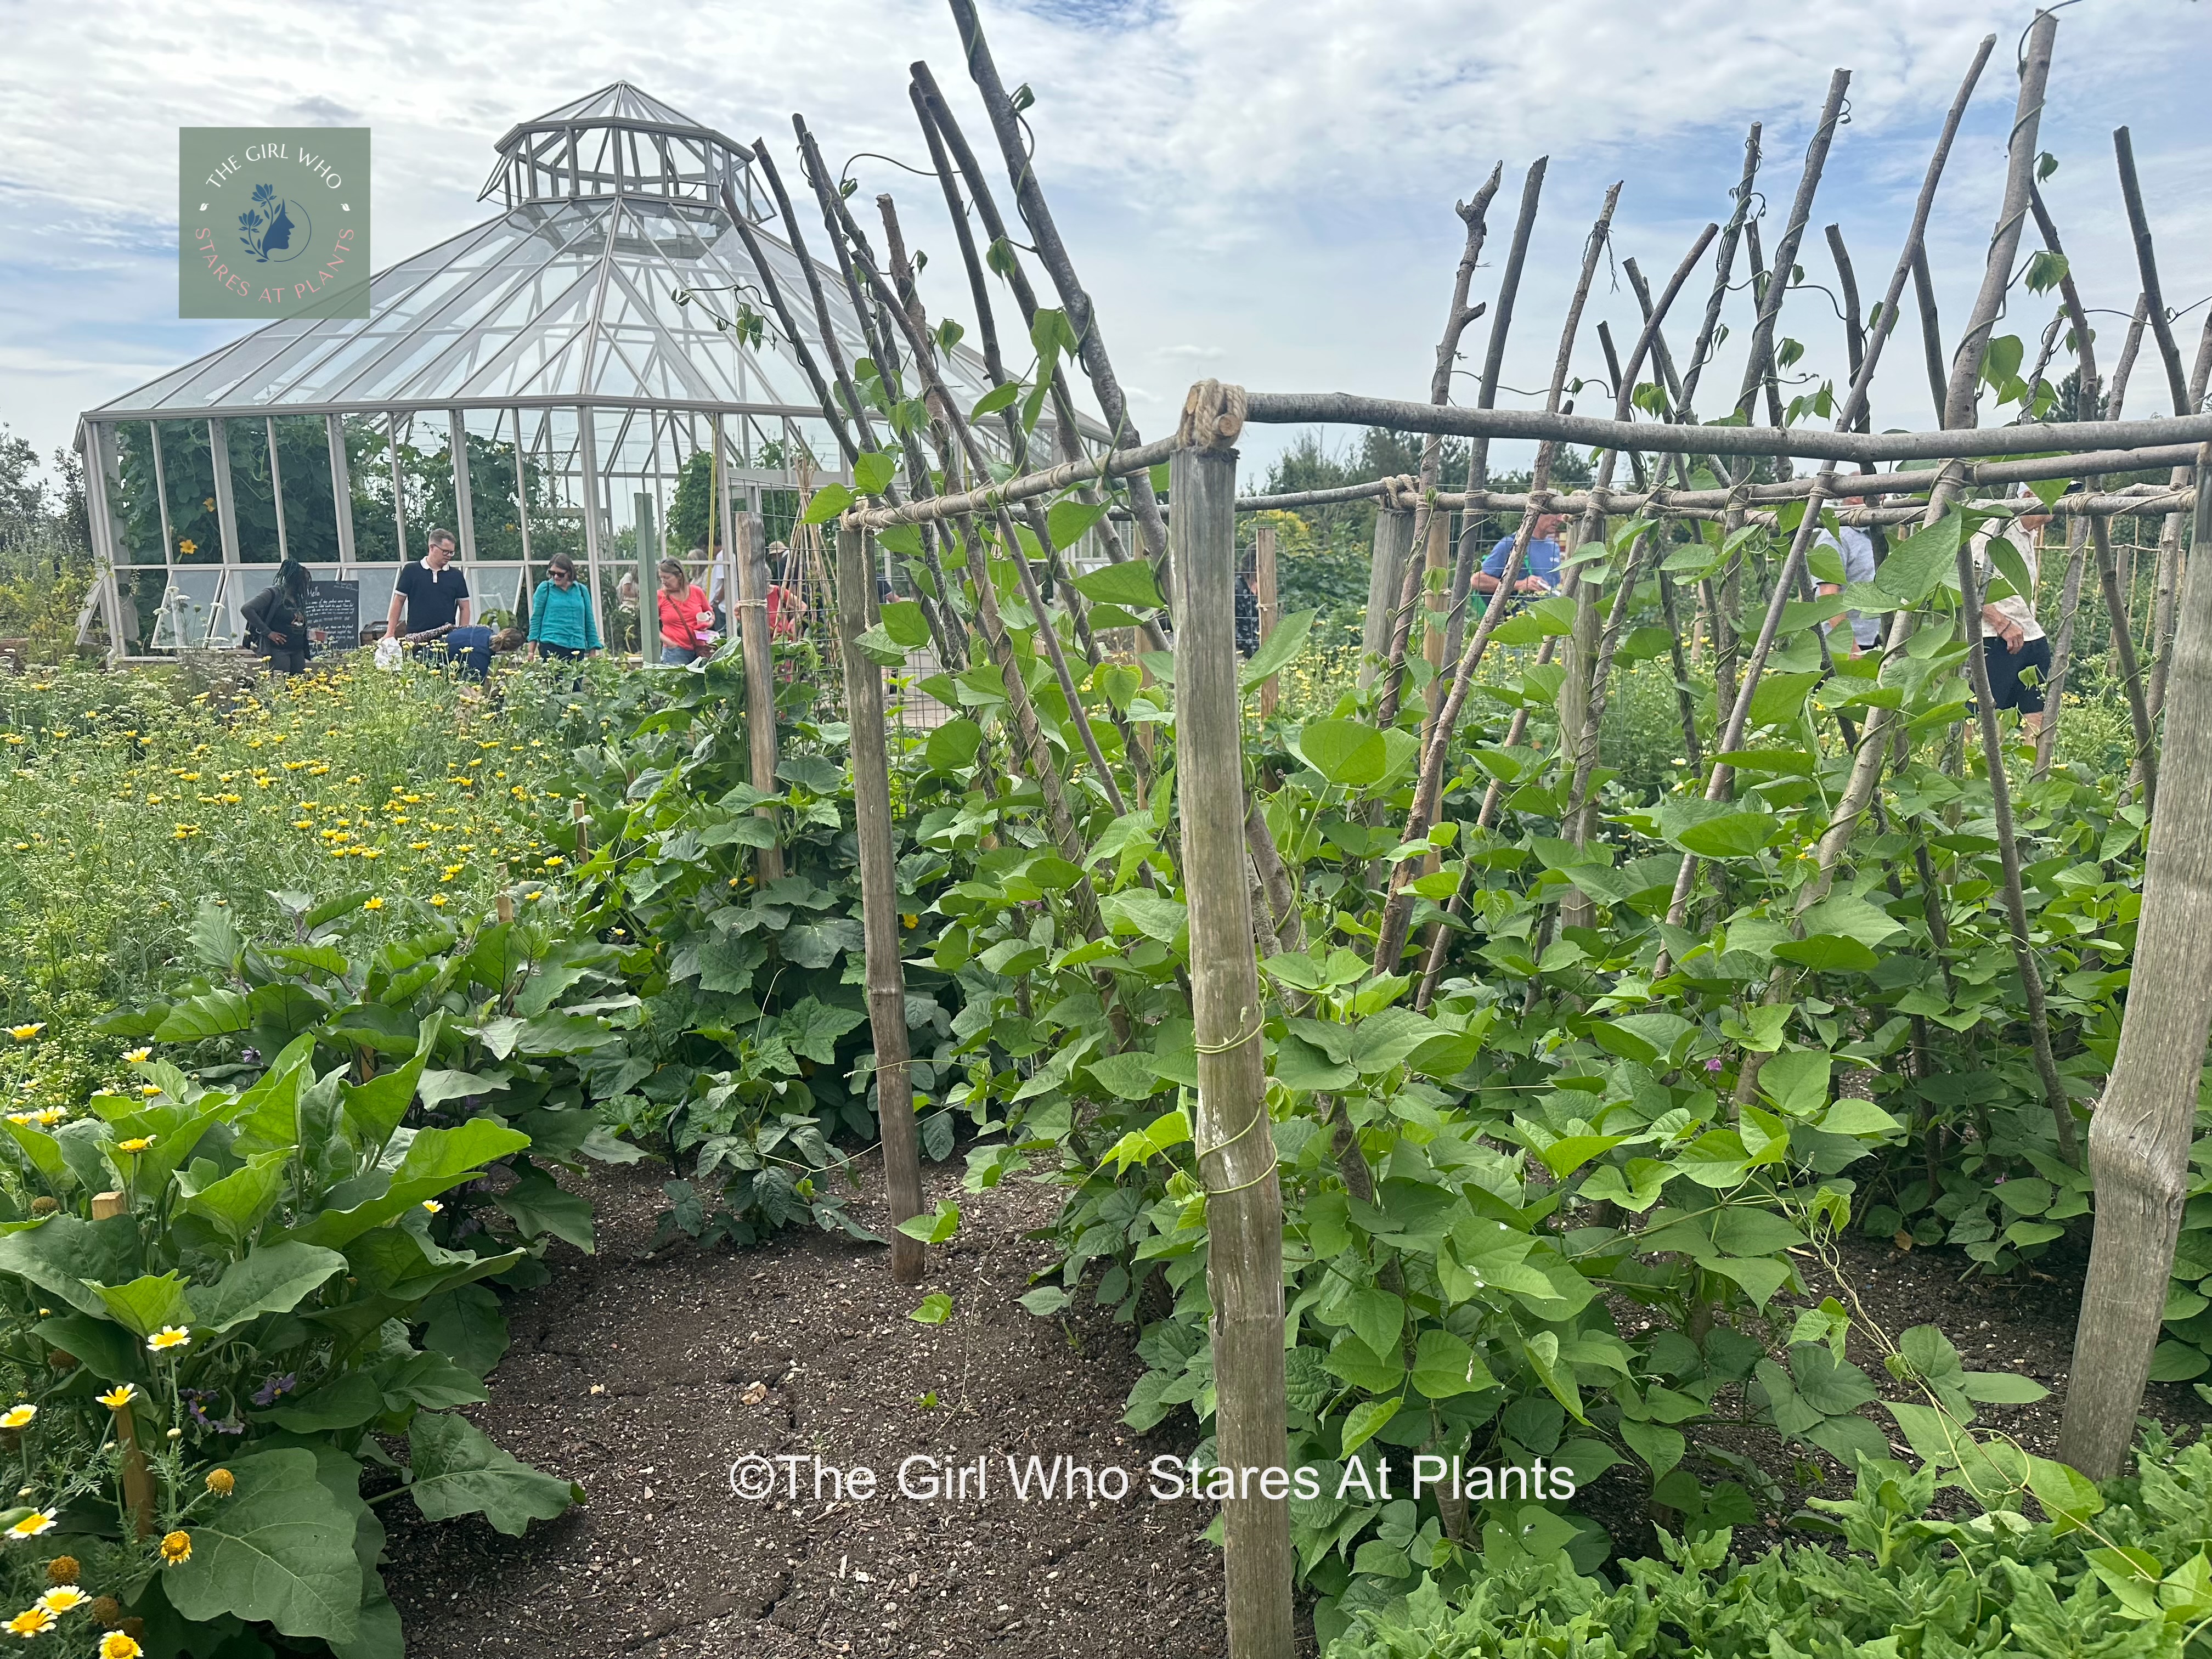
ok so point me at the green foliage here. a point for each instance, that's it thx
(2123, 1573)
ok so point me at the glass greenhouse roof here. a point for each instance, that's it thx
(566, 299)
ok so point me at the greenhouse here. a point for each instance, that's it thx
(569, 347)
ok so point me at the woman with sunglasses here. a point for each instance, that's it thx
(561, 621)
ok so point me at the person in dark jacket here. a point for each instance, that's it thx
(276, 619)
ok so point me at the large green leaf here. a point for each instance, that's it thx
(459, 1471)
(148, 1303)
(376, 1107)
(275, 1279)
(436, 1159)
(1919, 563)
(817, 944)
(1347, 753)
(1129, 586)
(346, 1403)
(466, 1325)
(539, 1205)
(1279, 650)
(62, 1254)
(44, 1153)
(279, 1548)
(218, 1013)
(108, 1350)
(236, 1202)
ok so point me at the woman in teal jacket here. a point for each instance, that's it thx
(561, 623)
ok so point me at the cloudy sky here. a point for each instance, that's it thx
(1260, 191)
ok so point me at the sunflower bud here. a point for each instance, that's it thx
(62, 1569)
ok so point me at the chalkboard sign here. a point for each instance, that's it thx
(333, 617)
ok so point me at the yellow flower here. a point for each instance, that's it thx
(63, 1598)
(25, 1033)
(177, 1548)
(18, 1416)
(149, 1089)
(121, 1396)
(32, 1525)
(137, 1143)
(139, 1056)
(555, 862)
(371, 905)
(168, 1337)
(430, 1204)
(222, 1482)
(187, 546)
(438, 900)
(909, 920)
(116, 1644)
(31, 1621)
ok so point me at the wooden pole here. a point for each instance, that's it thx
(1264, 577)
(2140, 1137)
(1394, 544)
(1475, 217)
(1234, 1144)
(871, 809)
(760, 676)
(1428, 793)
(1029, 197)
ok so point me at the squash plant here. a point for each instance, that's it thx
(207, 1372)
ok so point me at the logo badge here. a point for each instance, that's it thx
(272, 221)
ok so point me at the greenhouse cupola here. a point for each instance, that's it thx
(617, 142)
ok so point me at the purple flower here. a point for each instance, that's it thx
(251, 1056)
(1714, 1064)
(267, 1393)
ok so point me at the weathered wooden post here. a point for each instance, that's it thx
(871, 809)
(1393, 544)
(2139, 1139)
(1234, 1144)
(751, 551)
(1270, 597)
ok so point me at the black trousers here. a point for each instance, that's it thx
(2007, 689)
(285, 659)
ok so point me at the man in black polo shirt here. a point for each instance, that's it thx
(433, 593)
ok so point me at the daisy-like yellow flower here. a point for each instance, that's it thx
(187, 546)
(31, 1621)
(18, 1416)
(118, 1644)
(168, 1337)
(64, 1598)
(25, 1033)
(139, 1056)
(37, 1522)
(137, 1143)
(371, 905)
(177, 1548)
(555, 862)
(438, 900)
(149, 1089)
(116, 1398)
(222, 1482)
(430, 1204)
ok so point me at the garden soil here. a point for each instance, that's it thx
(645, 1378)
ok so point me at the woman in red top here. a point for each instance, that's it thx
(686, 634)
(786, 609)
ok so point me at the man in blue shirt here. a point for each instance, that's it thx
(1540, 566)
